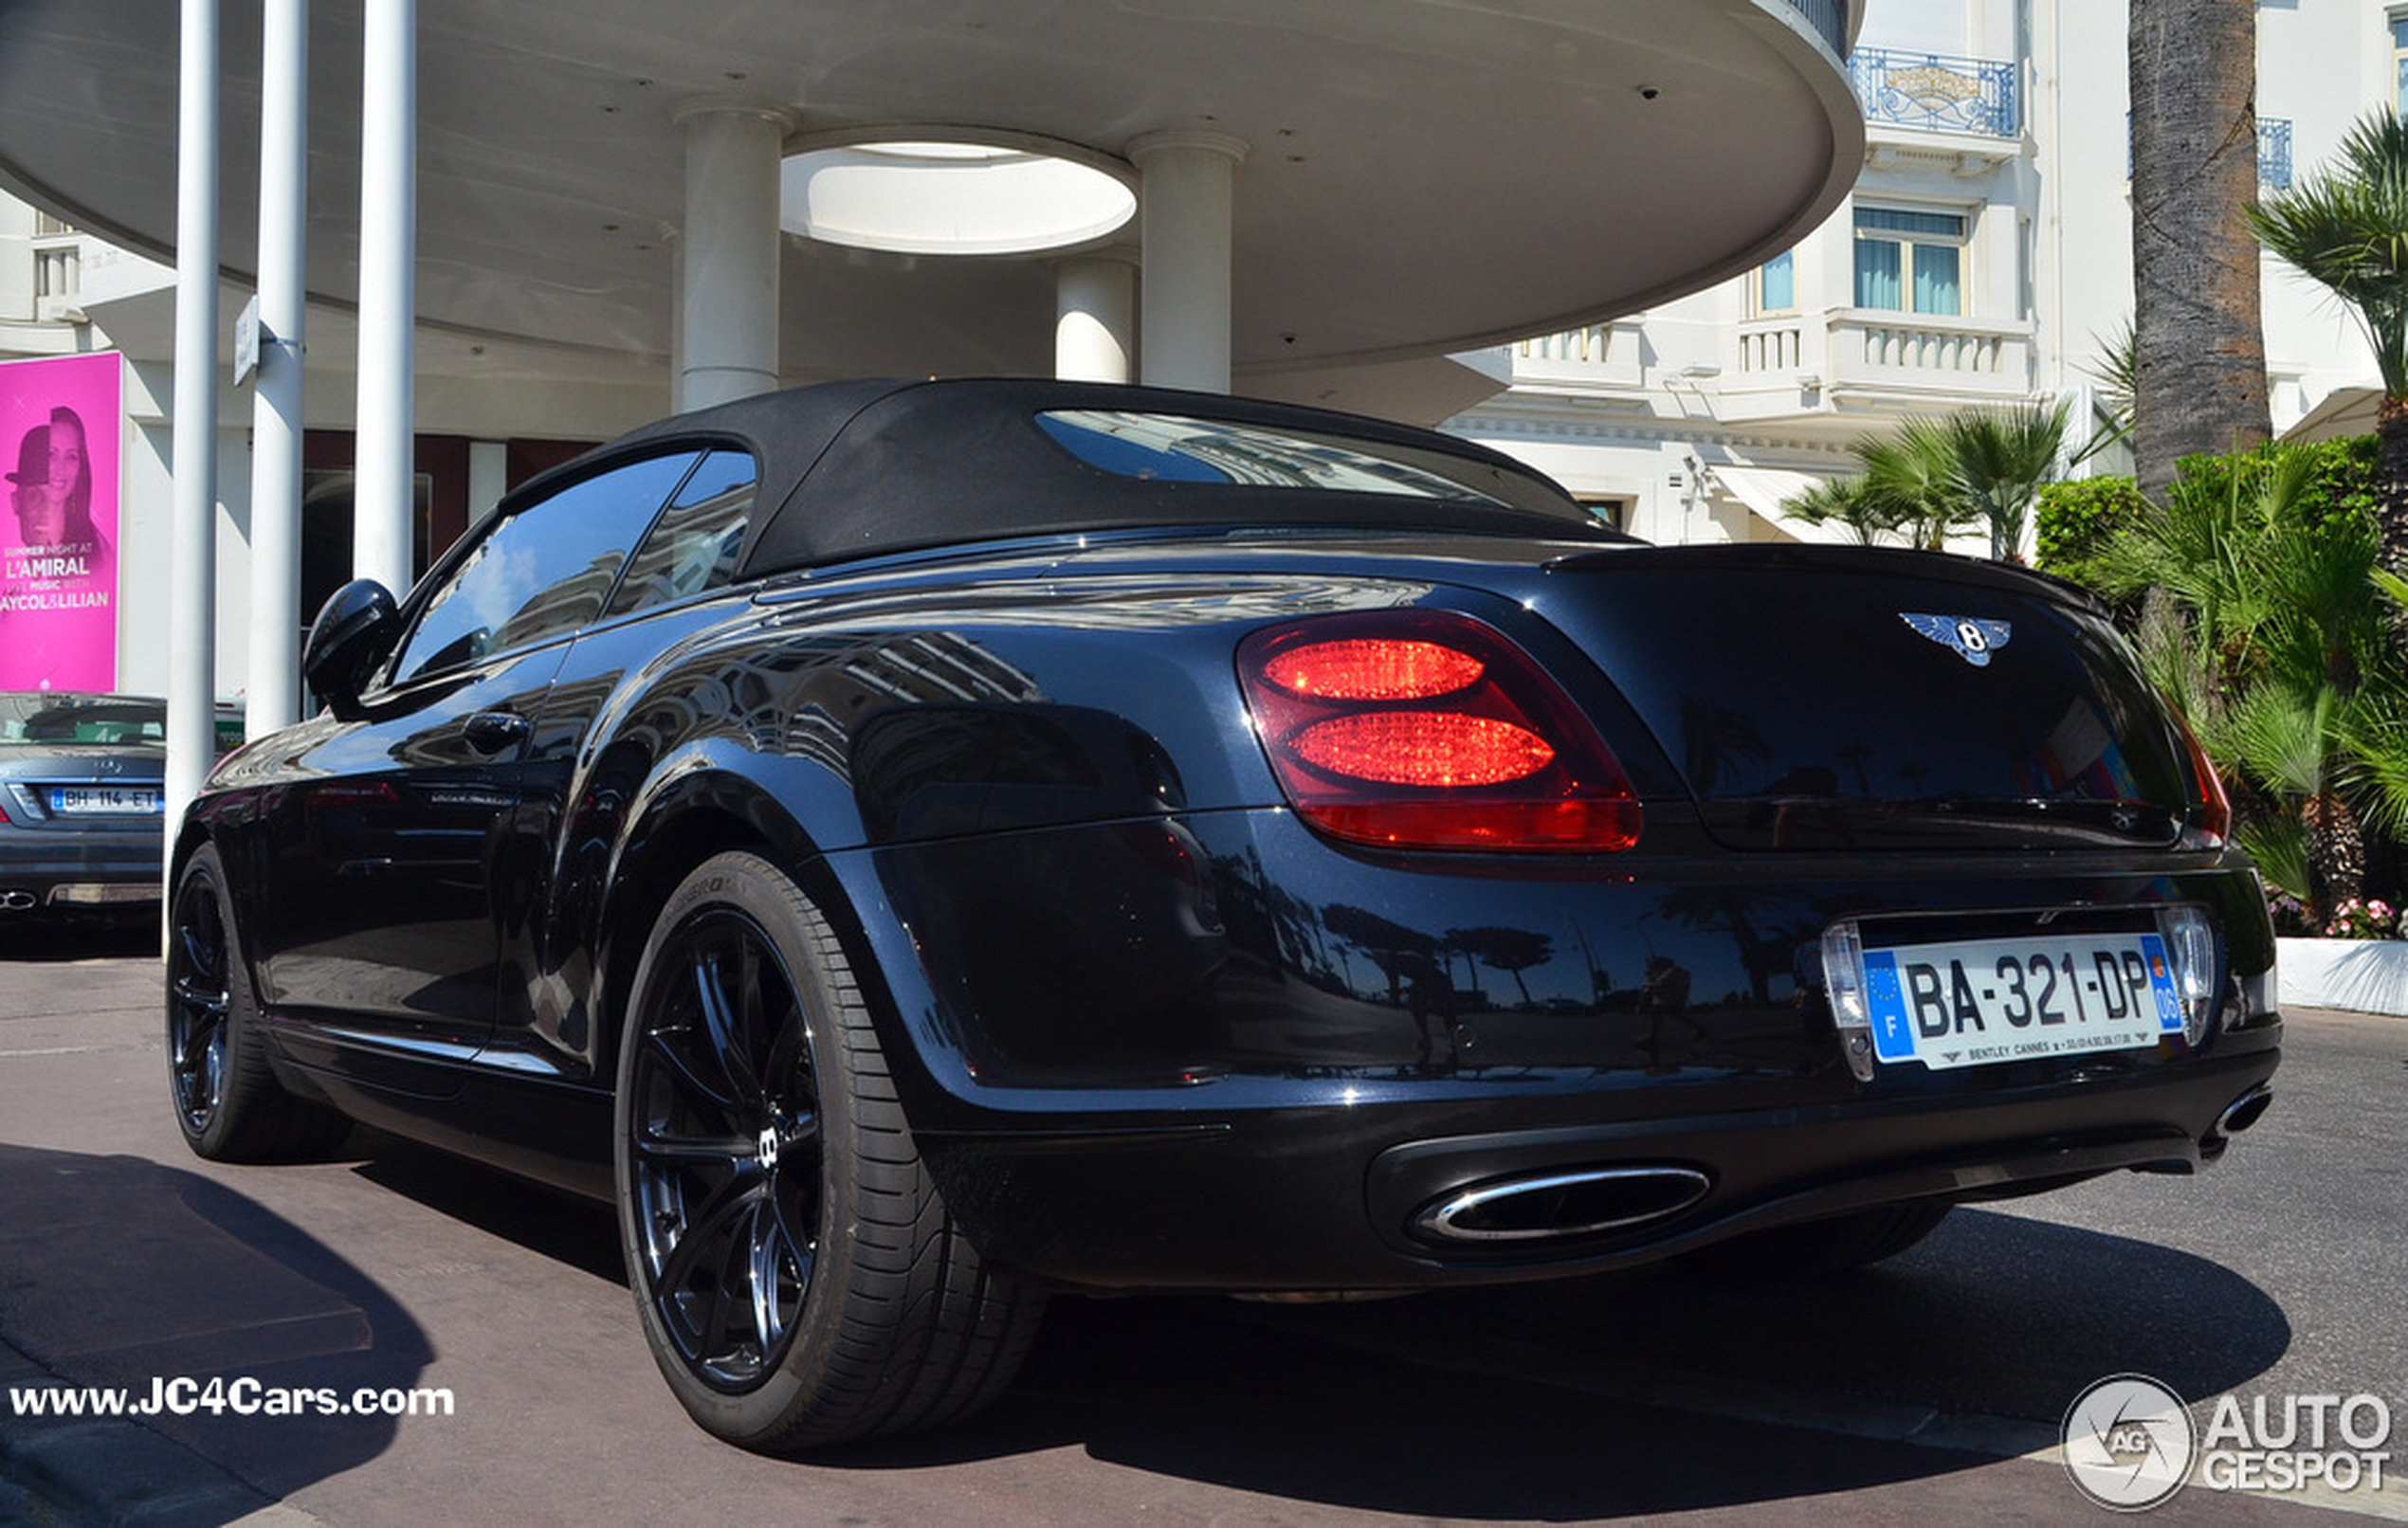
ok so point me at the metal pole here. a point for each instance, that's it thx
(384, 469)
(273, 692)
(191, 683)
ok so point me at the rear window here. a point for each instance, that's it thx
(91, 720)
(1155, 447)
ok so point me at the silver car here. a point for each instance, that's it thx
(81, 793)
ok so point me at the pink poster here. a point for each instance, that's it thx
(59, 436)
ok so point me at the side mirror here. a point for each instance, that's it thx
(353, 631)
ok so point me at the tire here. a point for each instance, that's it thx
(228, 1101)
(797, 1277)
(1820, 1248)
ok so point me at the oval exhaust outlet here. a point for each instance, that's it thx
(2244, 1111)
(1555, 1205)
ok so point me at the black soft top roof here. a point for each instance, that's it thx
(852, 469)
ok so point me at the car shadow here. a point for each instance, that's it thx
(59, 940)
(119, 1272)
(1649, 1391)
(563, 1227)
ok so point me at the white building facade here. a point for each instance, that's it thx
(1984, 259)
(1981, 260)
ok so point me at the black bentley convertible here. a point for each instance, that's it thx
(918, 846)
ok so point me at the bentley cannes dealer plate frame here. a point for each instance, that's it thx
(1979, 1002)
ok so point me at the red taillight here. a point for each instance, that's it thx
(1372, 669)
(2216, 808)
(1429, 730)
(1426, 748)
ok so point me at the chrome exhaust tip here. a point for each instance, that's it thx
(1560, 1205)
(2244, 1111)
(17, 902)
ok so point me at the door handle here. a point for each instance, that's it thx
(490, 732)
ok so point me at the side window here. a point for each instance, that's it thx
(1777, 283)
(2400, 58)
(695, 544)
(542, 569)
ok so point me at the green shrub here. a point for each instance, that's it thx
(2078, 518)
(2340, 474)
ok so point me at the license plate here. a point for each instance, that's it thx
(105, 801)
(1982, 1001)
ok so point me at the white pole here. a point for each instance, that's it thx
(1095, 302)
(383, 472)
(1188, 215)
(191, 683)
(272, 694)
(728, 258)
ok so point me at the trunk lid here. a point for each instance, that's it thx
(1850, 699)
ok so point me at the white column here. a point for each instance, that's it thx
(727, 264)
(192, 676)
(488, 477)
(272, 691)
(383, 507)
(1094, 318)
(1187, 214)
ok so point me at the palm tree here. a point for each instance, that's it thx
(2002, 461)
(2199, 351)
(1846, 501)
(2269, 640)
(2345, 228)
(1915, 475)
(1974, 467)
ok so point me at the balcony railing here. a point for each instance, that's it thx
(1777, 365)
(58, 273)
(1829, 18)
(1936, 363)
(2274, 153)
(1938, 93)
(1602, 355)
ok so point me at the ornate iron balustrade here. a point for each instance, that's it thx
(1828, 17)
(1938, 93)
(2274, 153)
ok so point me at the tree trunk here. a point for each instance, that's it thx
(2390, 511)
(2336, 855)
(2199, 343)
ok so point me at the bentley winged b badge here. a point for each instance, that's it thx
(1973, 640)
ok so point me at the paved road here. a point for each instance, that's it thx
(1920, 1391)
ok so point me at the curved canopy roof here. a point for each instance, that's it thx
(1422, 177)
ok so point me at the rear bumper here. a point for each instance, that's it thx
(93, 873)
(1215, 1052)
(1330, 1199)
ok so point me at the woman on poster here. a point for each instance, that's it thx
(70, 483)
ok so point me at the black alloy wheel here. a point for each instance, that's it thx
(796, 1274)
(229, 1103)
(724, 1150)
(198, 997)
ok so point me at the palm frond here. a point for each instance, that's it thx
(2345, 228)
